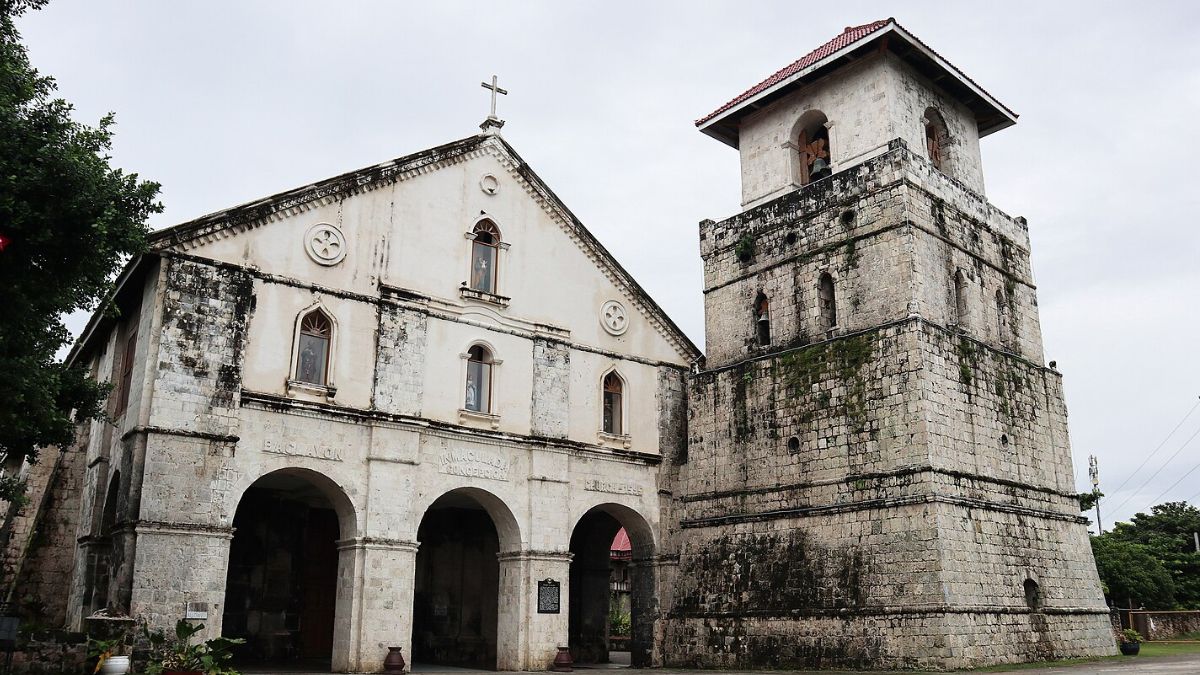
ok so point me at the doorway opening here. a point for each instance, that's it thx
(612, 588)
(457, 587)
(281, 588)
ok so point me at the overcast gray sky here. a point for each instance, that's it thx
(225, 102)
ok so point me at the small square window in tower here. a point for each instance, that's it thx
(484, 256)
(312, 357)
(479, 380)
(613, 393)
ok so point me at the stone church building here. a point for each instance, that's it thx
(412, 405)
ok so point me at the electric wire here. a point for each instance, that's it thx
(1155, 452)
(1165, 464)
(1164, 492)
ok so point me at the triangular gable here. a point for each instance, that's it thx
(233, 221)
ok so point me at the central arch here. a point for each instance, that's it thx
(456, 600)
(612, 587)
(281, 591)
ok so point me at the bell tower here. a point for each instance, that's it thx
(878, 471)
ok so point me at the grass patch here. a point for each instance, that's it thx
(1153, 649)
(1150, 650)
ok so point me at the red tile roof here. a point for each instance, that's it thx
(849, 36)
(621, 541)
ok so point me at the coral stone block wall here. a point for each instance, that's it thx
(892, 490)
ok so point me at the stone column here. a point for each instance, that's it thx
(376, 581)
(527, 640)
(176, 564)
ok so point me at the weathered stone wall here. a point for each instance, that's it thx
(551, 388)
(894, 492)
(400, 360)
(182, 545)
(40, 549)
(1165, 625)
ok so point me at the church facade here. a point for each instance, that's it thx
(410, 406)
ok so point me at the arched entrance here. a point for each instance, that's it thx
(457, 588)
(612, 589)
(281, 589)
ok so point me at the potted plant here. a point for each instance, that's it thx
(1131, 642)
(178, 656)
(109, 660)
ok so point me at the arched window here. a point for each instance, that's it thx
(312, 355)
(478, 394)
(614, 390)
(1001, 318)
(762, 319)
(960, 299)
(485, 247)
(812, 144)
(1033, 594)
(937, 139)
(827, 302)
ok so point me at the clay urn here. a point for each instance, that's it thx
(394, 663)
(562, 661)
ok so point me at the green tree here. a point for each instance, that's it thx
(1132, 575)
(1167, 533)
(68, 221)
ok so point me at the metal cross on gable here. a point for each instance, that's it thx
(492, 120)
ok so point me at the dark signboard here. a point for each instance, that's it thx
(549, 597)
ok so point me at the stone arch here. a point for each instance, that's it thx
(508, 530)
(339, 500)
(603, 581)
(290, 526)
(813, 156)
(457, 586)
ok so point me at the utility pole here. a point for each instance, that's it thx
(1196, 538)
(1094, 472)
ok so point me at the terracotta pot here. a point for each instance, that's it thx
(563, 662)
(394, 663)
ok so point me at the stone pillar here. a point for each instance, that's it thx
(644, 599)
(376, 579)
(176, 564)
(527, 640)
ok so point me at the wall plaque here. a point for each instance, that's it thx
(549, 596)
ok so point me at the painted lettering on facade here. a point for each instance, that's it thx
(598, 485)
(275, 446)
(473, 464)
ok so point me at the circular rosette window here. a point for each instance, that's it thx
(325, 244)
(613, 318)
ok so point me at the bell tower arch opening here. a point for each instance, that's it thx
(281, 590)
(456, 610)
(612, 588)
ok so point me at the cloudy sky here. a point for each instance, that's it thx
(225, 102)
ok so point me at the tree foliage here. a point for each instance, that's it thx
(1151, 561)
(68, 220)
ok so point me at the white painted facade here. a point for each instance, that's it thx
(389, 435)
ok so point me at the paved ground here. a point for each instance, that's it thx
(1188, 664)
